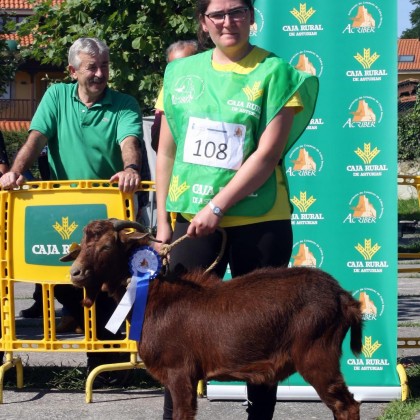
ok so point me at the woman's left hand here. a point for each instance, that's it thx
(204, 223)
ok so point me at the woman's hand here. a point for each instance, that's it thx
(204, 223)
(164, 234)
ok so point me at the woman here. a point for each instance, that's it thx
(230, 115)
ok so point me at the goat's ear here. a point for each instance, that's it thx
(74, 251)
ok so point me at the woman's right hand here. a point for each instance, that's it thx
(164, 234)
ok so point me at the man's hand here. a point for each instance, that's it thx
(128, 180)
(12, 180)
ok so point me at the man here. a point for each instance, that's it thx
(93, 132)
(176, 50)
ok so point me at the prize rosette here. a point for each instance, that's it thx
(145, 262)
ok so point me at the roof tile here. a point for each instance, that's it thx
(409, 47)
(14, 125)
(21, 4)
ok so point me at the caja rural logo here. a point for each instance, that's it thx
(305, 160)
(365, 166)
(371, 303)
(249, 106)
(365, 111)
(366, 59)
(304, 217)
(49, 229)
(306, 253)
(367, 264)
(305, 24)
(369, 362)
(365, 18)
(65, 230)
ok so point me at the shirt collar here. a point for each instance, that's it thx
(106, 100)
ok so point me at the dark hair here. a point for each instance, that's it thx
(201, 8)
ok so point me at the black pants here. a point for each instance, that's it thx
(247, 248)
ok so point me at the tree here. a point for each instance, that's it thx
(9, 57)
(409, 133)
(137, 33)
(414, 31)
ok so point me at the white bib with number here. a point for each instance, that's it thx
(214, 143)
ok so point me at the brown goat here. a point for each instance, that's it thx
(261, 327)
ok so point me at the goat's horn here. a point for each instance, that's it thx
(123, 224)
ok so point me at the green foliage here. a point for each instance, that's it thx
(137, 33)
(9, 59)
(14, 141)
(409, 134)
(414, 31)
(408, 209)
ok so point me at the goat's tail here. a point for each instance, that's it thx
(353, 316)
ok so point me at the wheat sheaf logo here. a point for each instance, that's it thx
(367, 251)
(253, 93)
(303, 203)
(65, 230)
(176, 190)
(370, 348)
(366, 60)
(367, 155)
(302, 15)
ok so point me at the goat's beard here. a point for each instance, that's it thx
(90, 296)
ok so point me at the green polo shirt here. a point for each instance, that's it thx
(84, 143)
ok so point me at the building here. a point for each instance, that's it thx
(408, 73)
(18, 104)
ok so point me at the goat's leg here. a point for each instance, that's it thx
(323, 373)
(183, 391)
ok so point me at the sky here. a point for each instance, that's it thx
(404, 9)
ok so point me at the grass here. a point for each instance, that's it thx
(409, 210)
(406, 410)
(65, 378)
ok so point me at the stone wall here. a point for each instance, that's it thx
(412, 168)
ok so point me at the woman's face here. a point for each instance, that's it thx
(228, 23)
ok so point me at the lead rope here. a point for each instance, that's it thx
(166, 248)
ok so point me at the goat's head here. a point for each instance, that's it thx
(101, 259)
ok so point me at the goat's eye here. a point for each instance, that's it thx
(105, 248)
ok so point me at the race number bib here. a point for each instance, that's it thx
(214, 143)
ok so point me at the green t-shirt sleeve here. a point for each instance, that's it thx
(45, 118)
(130, 120)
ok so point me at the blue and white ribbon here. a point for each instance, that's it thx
(145, 265)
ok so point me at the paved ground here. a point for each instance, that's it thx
(147, 405)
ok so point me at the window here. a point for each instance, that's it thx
(6, 95)
(406, 58)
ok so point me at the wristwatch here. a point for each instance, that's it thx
(216, 210)
(132, 166)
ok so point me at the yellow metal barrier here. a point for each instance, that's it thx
(37, 224)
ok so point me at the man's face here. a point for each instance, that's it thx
(92, 74)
